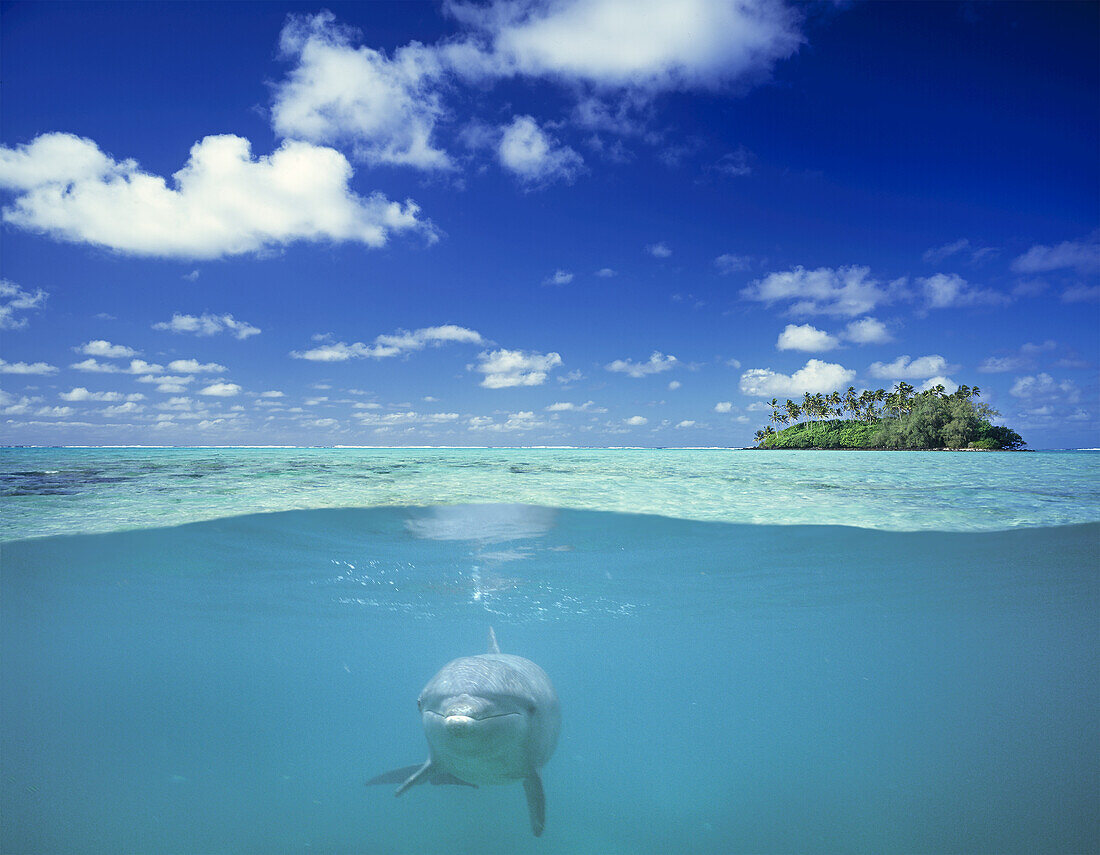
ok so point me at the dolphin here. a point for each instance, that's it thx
(489, 719)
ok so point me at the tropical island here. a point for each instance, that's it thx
(902, 419)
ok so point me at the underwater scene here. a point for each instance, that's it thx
(214, 650)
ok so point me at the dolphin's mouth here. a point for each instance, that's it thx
(462, 718)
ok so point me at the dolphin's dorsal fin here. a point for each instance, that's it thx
(493, 646)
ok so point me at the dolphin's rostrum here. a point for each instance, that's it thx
(489, 719)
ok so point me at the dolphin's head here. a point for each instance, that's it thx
(469, 712)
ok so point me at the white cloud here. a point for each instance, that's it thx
(193, 366)
(222, 202)
(272, 393)
(814, 376)
(728, 263)
(606, 273)
(79, 393)
(1082, 256)
(126, 409)
(1001, 364)
(504, 368)
(674, 385)
(55, 412)
(26, 368)
(659, 249)
(948, 384)
(686, 423)
(168, 384)
(14, 299)
(221, 390)
(396, 344)
(723, 406)
(806, 337)
(636, 421)
(568, 406)
(904, 369)
(657, 363)
(535, 156)
(845, 291)
(136, 366)
(938, 254)
(207, 324)
(642, 45)
(945, 290)
(1081, 294)
(1043, 386)
(560, 277)
(867, 331)
(105, 348)
(385, 108)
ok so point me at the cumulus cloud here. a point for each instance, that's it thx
(384, 108)
(1044, 387)
(534, 155)
(569, 407)
(1082, 256)
(636, 421)
(806, 337)
(723, 406)
(814, 376)
(867, 331)
(14, 299)
(686, 423)
(193, 366)
(640, 45)
(384, 346)
(99, 347)
(606, 273)
(560, 277)
(81, 394)
(221, 390)
(945, 290)
(136, 366)
(207, 324)
(845, 291)
(222, 202)
(949, 385)
(659, 249)
(504, 368)
(903, 368)
(656, 363)
(26, 368)
(172, 385)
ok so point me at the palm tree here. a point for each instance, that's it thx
(793, 410)
(851, 402)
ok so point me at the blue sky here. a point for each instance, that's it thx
(593, 222)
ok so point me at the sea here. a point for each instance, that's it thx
(211, 650)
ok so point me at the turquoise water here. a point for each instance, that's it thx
(58, 491)
(925, 681)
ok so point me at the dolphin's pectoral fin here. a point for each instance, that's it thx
(448, 778)
(395, 776)
(407, 776)
(493, 646)
(536, 802)
(422, 773)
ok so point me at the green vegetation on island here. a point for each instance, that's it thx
(902, 419)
